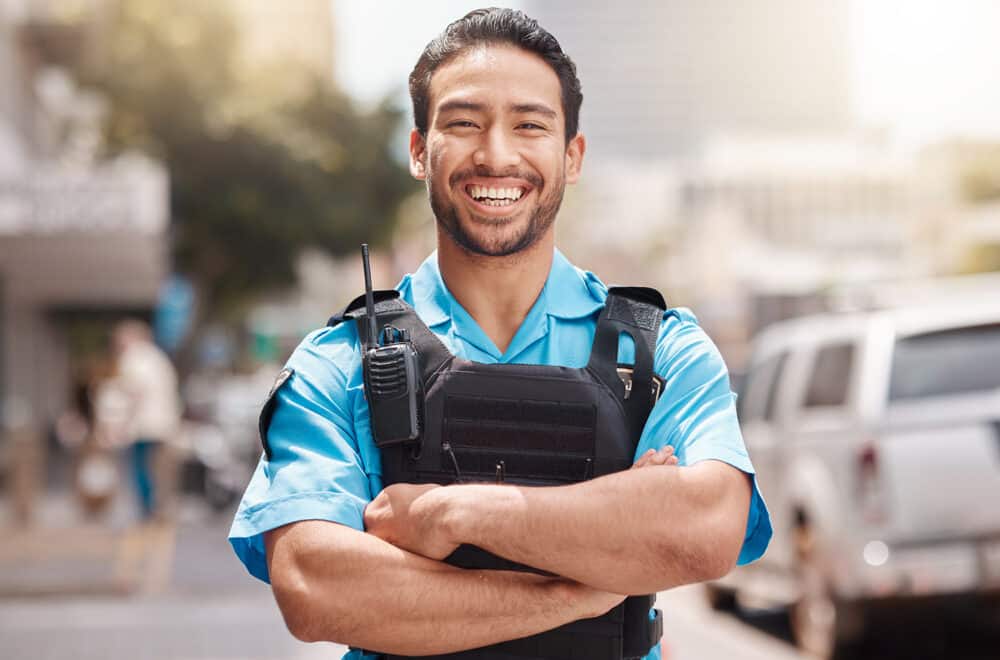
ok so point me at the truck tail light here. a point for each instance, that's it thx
(871, 496)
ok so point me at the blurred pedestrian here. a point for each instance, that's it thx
(142, 410)
(96, 477)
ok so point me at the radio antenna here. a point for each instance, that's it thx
(369, 298)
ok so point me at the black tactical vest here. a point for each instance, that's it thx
(533, 425)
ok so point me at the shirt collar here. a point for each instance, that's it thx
(426, 291)
(569, 292)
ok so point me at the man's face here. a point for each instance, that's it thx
(495, 157)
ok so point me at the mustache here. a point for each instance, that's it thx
(482, 171)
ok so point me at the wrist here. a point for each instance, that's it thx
(581, 601)
(463, 512)
(450, 513)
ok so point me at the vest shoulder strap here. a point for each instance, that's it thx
(390, 309)
(637, 312)
(386, 300)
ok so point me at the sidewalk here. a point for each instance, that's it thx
(61, 553)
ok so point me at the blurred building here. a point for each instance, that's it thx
(723, 156)
(747, 231)
(659, 77)
(79, 238)
(769, 223)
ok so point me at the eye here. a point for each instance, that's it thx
(461, 123)
(530, 125)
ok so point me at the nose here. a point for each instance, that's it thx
(497, 150)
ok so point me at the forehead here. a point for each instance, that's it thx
(496, 75)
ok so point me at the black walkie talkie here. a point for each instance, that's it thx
(392, 376)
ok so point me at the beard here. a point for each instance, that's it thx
(539, 222)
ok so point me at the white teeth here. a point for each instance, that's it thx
(495, 196)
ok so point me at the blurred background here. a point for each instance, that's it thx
(819, 180)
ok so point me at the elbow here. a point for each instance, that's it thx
(302, 584)
(708, 555)
(696, 563)
(303, 630)
(294, 600)
(721, 550)
(308, 617)
(724, 527)
(717, 565)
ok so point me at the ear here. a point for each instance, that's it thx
(574, 157)
(418, 155)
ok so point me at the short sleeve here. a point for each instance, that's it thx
(696, 414)
(315, 470)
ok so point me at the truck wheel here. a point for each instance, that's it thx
(823, 626)
(721, 599)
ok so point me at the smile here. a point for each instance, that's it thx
(494, 197)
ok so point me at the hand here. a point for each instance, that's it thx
(664, 456)
(411, 517)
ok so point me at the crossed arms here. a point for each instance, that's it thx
(634, 532)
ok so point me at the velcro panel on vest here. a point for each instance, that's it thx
(534, 439)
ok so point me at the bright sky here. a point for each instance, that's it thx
(926, 68)
(929, 67)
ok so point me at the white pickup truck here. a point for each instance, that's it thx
(876, 437)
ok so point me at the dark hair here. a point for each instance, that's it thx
(495, 26)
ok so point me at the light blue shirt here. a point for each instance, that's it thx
(324, 464)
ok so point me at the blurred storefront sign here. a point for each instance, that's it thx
(73, 243)
(126, 195)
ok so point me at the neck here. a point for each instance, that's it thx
(498, 292)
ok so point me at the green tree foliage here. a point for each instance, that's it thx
(256, 173)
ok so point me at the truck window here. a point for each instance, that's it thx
(831, 376)
(758, 392)
(771, 403)
(952, 361)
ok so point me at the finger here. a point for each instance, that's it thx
(644, 459)
(661, 456)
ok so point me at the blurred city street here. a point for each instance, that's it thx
(816, 181)
(192, 601)
(208, 608)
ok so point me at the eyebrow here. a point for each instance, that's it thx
(536, 108)
(451, 106)
(519, 108)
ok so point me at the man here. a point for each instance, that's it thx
(146, 383)
(496, 105)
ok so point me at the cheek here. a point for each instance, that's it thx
(546, 161)
(444, 154)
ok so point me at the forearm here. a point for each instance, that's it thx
(637, 531)
(337, 584)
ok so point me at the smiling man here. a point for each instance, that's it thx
(541, 387)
